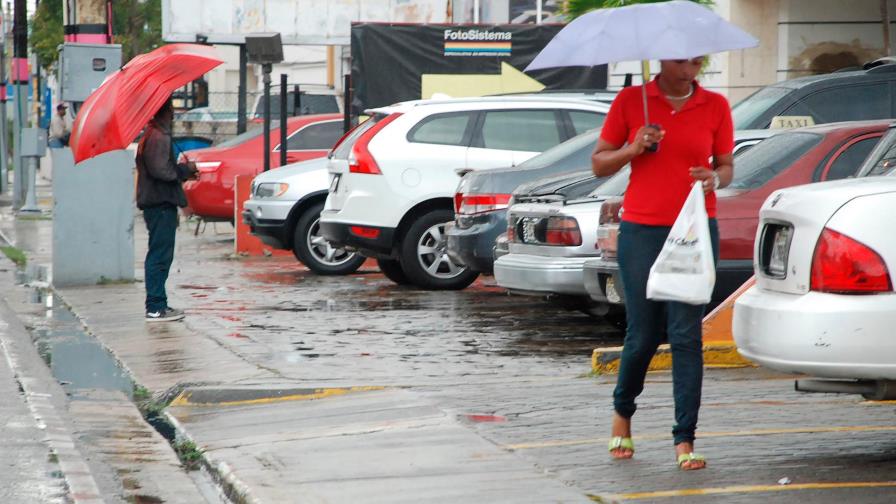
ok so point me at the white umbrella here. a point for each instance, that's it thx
(679, 29)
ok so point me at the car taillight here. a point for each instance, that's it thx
(511, 232)
(843, 265)
(563, 231)
(361, 160)
(470, 204)
(207, 166)
(365, 232)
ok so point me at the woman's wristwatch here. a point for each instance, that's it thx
(716, 180)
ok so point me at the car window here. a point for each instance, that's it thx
(320, 136)
(751, 108)
(520, 130)
(583, 121)
(845, 103)
(771, 156)
(849, 161)
(442, 129)
(572, 155)
(883, 158)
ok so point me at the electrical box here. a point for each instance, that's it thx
(34, 142)
(264, 48)
(83, 67)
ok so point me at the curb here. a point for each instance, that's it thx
(715, 355)
(235, 490)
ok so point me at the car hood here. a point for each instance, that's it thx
(291, 170)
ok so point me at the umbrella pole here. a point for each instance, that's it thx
(645, 78)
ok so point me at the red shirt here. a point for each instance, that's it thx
(660, 181)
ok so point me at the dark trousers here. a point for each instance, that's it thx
(161, 222)
(639, 246)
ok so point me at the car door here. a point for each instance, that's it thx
(848, 158)
(311, 141)
(507, 137)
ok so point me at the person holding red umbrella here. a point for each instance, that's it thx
(692, 128)
(159, 194)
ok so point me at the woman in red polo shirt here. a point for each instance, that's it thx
(695, 135)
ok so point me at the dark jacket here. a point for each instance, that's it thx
(159, 176)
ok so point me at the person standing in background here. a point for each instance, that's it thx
(60, 128)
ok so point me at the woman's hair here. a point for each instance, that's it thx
(166, 108)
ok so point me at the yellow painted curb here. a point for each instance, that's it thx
(715, 355)
(184, 398)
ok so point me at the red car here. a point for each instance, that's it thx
(795, 157)
(211, 196)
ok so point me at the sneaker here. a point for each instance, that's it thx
(165, 315)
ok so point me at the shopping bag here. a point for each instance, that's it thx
(685, 269)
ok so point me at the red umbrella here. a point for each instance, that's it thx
(115, 113)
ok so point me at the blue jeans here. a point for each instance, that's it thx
(161, 222)
(639, 246)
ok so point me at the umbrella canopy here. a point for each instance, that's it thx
(115, 113)
(678, 29)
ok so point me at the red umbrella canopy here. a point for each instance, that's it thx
(115, 113)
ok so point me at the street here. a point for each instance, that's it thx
(338, 388)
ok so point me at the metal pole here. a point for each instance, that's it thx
(538, 11)
(20, 87)
(266, 71)
(346, 103)
(241, 92)
(283, 128)
(476, 11)
(30, 205)
(4, 169)
(296, 101)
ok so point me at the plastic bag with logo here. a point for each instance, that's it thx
(685, 271)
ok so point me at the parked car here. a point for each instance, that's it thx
(800, 156)
(202, 124)
(394, 176)
(482, 197)
(284, 212)
(823, 303)
(211, 196)
(882, 159)
(312, 100)
(840, 96)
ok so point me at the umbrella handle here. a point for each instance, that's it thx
(645, 78)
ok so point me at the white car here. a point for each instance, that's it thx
(394, 176)
(823, 303)
(284, 212)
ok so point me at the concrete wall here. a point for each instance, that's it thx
(93, 218)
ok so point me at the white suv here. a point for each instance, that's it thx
(393, 177)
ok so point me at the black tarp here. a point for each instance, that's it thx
(389, 60)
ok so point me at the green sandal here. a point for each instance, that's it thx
(623, 443)
(684, 458)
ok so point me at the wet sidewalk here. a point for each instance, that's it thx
(299, 388)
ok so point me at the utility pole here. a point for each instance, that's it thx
(20, 77)
(4, 155)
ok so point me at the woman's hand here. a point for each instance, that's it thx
(706, 177)
(646, 136)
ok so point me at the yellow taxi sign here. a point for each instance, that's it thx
(788, 122)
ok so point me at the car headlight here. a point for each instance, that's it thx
(271, 190)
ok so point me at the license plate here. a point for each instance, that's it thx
(777, 263)
(528, 230)
(334, 184)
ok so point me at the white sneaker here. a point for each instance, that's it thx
(165, 315)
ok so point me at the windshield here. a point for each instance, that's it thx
(255, 132)
(752, 107)
(572, 155)
(770, 157)
(882, 159)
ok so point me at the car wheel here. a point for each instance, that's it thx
(423, 256)
(392, 270)
(318, 254)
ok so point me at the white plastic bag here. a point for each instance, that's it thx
(685, 270)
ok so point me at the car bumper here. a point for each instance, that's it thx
(271, 232)
(599, 273)
(819, 334)
(528, 273)
(474, 245)
(341, 234)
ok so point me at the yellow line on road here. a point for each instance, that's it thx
(184, 398)
(704, 435)
(689, 492)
